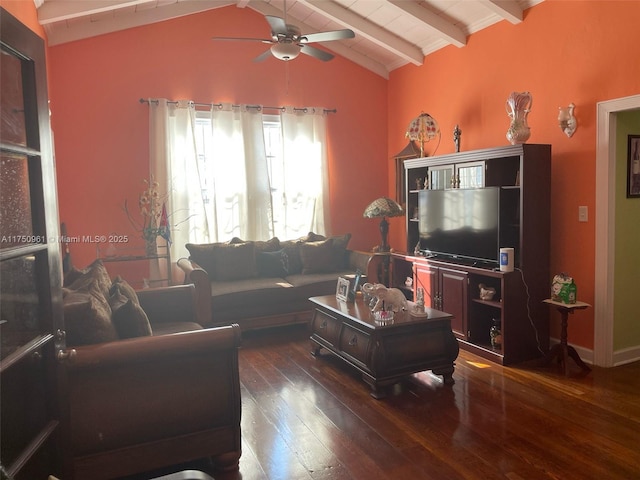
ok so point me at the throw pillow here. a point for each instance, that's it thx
(87, 320)
(235, 261)
(129, 319)
(272, 264)
(203, 255)
(271, 245)
(314, 237)
(317, 257)
(291, 248)
(71, 276)
(124, 288)
(339, 250)
(95, 276)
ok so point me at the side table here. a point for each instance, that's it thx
(562, 350)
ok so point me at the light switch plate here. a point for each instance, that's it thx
(583, 213)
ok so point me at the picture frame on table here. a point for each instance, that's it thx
(633, 166)
(342, 289)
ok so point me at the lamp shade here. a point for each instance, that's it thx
(422, 129)
(383, 207)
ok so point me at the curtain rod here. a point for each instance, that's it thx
(259, 107)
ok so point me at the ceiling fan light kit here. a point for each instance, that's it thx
(285, 51)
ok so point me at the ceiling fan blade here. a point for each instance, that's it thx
(327, 36)
(277, 24)
(316, 52)
(263, 56)
(236, 39)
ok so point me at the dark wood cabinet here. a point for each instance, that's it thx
(453, 296)
(523, 174)
(444, 289)
(31, 326)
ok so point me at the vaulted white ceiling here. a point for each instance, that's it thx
(389, 33)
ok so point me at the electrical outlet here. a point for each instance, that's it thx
(583, 214)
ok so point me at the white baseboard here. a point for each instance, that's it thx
(620, 357)
(626, 355)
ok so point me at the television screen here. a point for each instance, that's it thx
(460, 223)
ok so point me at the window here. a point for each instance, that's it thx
(284, 211)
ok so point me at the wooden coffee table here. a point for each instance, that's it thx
(384, 353)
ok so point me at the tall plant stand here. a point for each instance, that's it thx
(562, 351)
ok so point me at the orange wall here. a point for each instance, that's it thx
(101, 129)
(25, 11)
(564, 52)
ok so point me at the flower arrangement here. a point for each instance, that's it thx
(153, 212)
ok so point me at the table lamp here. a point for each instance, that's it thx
(383, 207)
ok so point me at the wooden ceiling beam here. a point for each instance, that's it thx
(446, 30)
(56, 11)
(507, 9)
(367, 29)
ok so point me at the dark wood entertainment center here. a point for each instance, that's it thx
(452, 285)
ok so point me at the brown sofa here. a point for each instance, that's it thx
(158, 398)
(265, 284)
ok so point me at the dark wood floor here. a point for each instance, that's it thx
(313, 418)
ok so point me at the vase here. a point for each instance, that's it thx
(518, 106)
(151, 247)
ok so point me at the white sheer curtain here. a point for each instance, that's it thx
(173, 163)
(217, 187)
(241, 204)
(306, 180)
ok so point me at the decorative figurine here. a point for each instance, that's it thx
(420, 298)
(388, 298)
(486, 293)
(495, 334)
(456, 137)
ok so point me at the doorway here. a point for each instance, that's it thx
(603, 354)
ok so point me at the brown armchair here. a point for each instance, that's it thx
(150, 402)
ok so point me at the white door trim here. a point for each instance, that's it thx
(603, 354)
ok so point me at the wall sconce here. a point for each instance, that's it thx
(567, 121)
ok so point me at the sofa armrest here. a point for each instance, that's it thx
(194, 274)
(164, 348)
(171, 304)
(135, 403)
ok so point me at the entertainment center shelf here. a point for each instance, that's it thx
(520, 178)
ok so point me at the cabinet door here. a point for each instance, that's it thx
(440, 177)
(426, 277)
(453, 294)
(470, 175)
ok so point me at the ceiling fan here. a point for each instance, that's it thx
(287, 42)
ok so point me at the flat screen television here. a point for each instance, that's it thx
(460, 224)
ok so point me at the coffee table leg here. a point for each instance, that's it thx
(377, 391)
(447, 374)
(315, 348)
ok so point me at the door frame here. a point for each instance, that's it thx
(603, 354)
